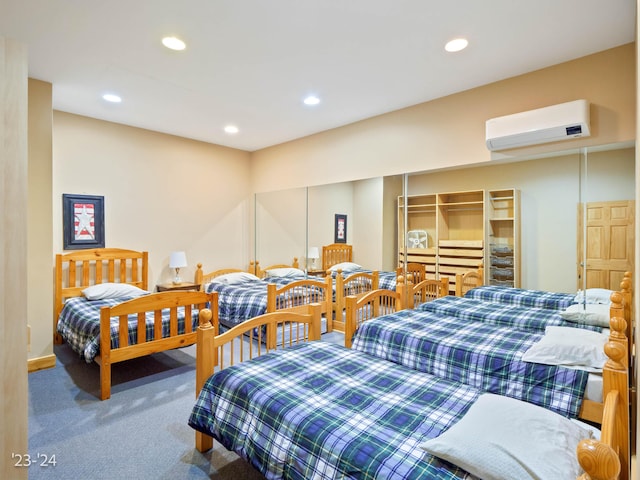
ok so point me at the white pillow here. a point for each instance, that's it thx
(589, 314)
(112, 290)
(235, 278)
(284, 273)
(345, 267)
(503, 438)
(594, 295)
(571, 347)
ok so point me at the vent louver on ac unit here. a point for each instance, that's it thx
(549, 124)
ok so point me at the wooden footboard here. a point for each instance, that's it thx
(241, 343)
(424, 291)
(469, 280)
(296, 296)
(175, 304)
(356, 284)
(367, 306)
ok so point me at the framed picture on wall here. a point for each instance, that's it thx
(82, 221)
(341, 228)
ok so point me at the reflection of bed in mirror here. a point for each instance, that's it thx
(243, 295)
(377, 410)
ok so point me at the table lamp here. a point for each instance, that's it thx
(313, 254)
(177, 260)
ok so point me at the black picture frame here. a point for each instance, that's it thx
(82, 221)
(340, 231)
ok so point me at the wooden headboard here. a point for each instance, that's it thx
(78, 270)
(336, 253)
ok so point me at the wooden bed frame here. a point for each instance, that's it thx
(298, 295)
(336, 253)
(127, 266)
(426, 290)
(262, 272)
(608, 458)
(201, 278)
(468, 280)
(76, 271)
(292, 297)
(355, 284)
(416, 272)
(304, 325)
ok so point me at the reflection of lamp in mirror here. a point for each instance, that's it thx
(177, 260)
(313, 254)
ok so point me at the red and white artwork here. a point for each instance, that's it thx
(84, 221)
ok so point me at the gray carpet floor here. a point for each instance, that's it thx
(141, 432)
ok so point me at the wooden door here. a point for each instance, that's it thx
(609, 245)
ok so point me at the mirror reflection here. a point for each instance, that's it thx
(463, 217)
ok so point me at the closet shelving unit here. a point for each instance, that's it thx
(454, 222)
(503, 238)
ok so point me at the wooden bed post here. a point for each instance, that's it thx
(104, 359)
(205, 363)
(315, 328)
(404, 292)
(197, 279)
(616, 377)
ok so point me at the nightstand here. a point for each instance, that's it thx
(165, 287)
(316, 273)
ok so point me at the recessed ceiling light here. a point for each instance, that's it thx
(456, 45)
(110, 97)
(311, 100)
(231, 129)
(173, 43)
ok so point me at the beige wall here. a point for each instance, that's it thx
(449, 131)
(13, 244)
(162, 193)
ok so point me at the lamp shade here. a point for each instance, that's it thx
(313, 253)
(177, 260)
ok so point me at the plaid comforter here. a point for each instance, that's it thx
(522, 297)
(242, 301)
(319, 410)
(79, 325)
(487, 357)
(524, 318)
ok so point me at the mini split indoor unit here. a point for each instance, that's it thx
(549, 124)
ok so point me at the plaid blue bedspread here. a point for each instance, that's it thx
(522, 297)
(524, 318)
(386, 280)
(485, 356)
(79, 325)
(242, 301)
(321, 411)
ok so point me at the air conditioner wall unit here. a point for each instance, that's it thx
(549, 124)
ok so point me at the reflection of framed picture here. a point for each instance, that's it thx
(82, 221)
(341, 228)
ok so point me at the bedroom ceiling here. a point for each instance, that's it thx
(250, 63)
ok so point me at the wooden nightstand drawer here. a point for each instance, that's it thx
(165, 287)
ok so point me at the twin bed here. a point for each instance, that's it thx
(104, 311)
(320, 410)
